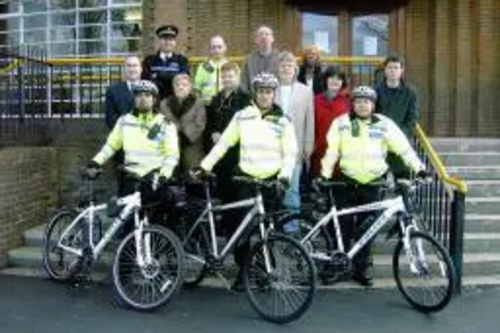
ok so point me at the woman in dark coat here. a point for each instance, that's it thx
(311, 70)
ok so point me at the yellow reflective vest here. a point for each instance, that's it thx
(267, 143)
(207, 80)
(148, 141)
(360, 147)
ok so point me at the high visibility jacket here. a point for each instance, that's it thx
(207, 80)
(268, 145)
(148, 141)
(361, 146)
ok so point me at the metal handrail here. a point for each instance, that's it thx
(443, 203)
(438, 163)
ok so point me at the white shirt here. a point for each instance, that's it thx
(285, 97)
(310, 82)
(165, 56)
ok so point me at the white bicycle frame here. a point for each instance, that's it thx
(131, 204)
(390, 207)
(257, 209)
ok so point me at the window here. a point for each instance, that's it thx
(86, 27)
(322, 31)
(370, 35)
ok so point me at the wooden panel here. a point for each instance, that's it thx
(440, 116)
(488, 62)
(464, 75)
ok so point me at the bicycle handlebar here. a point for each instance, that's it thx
(267, 183)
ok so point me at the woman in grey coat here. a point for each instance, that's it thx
(187, 112)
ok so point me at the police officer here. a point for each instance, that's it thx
(165, 64)
(359, 141)
(150, 145)
(207, 80)
(268, 147)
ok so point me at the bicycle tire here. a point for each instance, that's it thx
(134, 284)
(440, 290)
(299, 278)
(60, 264)
(196, 248)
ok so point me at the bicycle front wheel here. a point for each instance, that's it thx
(62, 265)
(152, 283)
(424, 272)
(280, 279)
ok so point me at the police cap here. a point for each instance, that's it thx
(167, 31)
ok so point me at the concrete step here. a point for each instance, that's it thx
(485, 243)
(442, 145)
(31, 257)
(482, 205)
(470, 159)
(483, 188)
(479, 172)
(481, 264)
(482, 223)
(473, 243)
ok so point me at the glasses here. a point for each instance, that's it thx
(217, 46)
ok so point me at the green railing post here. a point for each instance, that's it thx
(457, 234)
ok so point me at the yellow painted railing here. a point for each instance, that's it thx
(437, 163)
(13, 65)
(198, 59)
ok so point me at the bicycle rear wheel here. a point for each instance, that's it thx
(284, 293)
(60, 264)
(424, 272)
(152, 285)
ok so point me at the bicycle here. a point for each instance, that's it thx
(148, 265)
(419, 260)
(277, 266)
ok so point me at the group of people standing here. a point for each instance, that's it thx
(273, 118)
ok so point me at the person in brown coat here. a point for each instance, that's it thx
(187, 112)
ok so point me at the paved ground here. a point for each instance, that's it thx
(37, 305)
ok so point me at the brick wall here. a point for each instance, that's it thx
(198, 20)
(36, 180)
(28, 189)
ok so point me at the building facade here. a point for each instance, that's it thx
(451, 47)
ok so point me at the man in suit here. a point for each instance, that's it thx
(296, 100)
(120, 101)
(166, 63)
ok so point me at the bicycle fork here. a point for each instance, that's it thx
(144, 256)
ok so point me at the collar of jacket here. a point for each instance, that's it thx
(402, 85)
(144, 116)
(274, 111)
(179, 108)
(210, 65)
(373, 119)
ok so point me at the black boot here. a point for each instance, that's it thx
(237, 285)
(362, 267)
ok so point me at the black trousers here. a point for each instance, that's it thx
(234, 217)
(155, 203)
(354, 226)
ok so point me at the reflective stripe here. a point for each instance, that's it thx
(131, 134)
(363, 157)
